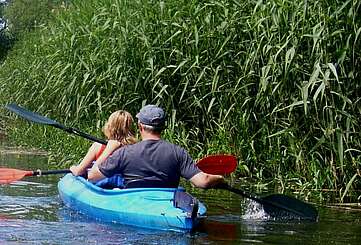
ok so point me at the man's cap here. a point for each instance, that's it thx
(152, 115)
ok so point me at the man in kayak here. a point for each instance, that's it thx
(153, 162)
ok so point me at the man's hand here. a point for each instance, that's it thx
(206, 181)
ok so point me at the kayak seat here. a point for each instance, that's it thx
(147, 183)
(186, 202)
(116, 181)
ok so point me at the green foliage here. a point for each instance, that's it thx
(25, 15)
(275, 82)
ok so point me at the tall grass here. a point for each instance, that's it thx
(274, 82)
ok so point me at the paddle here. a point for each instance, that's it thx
(8, 175)
(221, 164)
(278, 206)
(209, 163)
(34, 117)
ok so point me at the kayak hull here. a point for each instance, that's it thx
(150, 208)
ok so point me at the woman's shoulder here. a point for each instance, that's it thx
(97, 146)
(114, 144)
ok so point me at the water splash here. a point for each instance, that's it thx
(254, 211)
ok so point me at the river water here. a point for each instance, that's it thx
(32, 213)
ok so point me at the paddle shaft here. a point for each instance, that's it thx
(81, 134)
(8, 175)
(48, 172)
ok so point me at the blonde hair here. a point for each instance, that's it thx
(119, 127)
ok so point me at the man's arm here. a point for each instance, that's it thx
(95, 175)
(104, 168)
(205, 181)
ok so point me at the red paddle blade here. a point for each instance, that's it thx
(218, 164)
(8, 175)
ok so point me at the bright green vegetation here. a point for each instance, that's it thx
(275, 82)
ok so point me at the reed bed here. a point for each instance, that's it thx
(275, 82)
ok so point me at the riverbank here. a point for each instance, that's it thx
(11, 150)
(6, 149)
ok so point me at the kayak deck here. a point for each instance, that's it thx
(151, 208)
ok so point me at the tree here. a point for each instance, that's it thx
(18, 17)
(2, 21)
(5, 41)
(25, 15)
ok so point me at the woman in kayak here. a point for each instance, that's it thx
(118, 130)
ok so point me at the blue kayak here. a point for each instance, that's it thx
(153, 208)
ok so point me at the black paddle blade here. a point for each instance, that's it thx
(282, 207)
(34, 117)
(31, 116)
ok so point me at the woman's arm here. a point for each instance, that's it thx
(112, 145)
(87, 160)
(90, 157)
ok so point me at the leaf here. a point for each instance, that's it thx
(357, 35)
(289, 56)
(161, 71)
(348, 186)
(340, 147)
(297, 103)
(211, 104)
(320, 88)
(333, 69)
(305, 97)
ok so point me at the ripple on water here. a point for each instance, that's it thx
(27, 188)
(40, 232)
(28, 207)
(28, 200)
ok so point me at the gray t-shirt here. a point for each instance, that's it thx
(151, 159)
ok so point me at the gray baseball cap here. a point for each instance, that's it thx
(152, 115)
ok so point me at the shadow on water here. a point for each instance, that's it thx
(32, 213)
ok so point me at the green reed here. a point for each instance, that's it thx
(274, 82)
